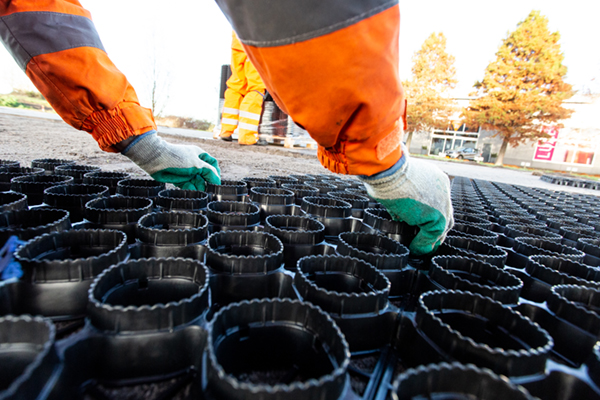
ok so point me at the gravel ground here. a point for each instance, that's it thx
(25, 139)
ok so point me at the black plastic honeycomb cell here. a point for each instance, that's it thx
(276, 349)
(172, 234)
(380, 220)
(461, 273)
(149, 295)
(140, 188)
(301, 236)
(558, 270)
(9, 163)
(572, 233)
(27, 355)
(7, 173)
(58, 269)
(585, 218)
(455, 381)
(105, 178)
(49, 164)
(303, 178)
(242, 251)
(332, 212)
(359, 203)
(34, 185)
(463, 209)
(245, 265)
(301, 191)
(323, 187)
(378, 250)
(273, 201)
(362, 191)
(182, 200)
(259, 182)
(27, 224)
(579, 305)
(473, 248)
(284, 179)
(474, 232)
(515, 231)
(479, 330)
(76, 171)
(73, 198)
(228, 190)
(10, 201)
(591, 248)
(232, 215)
(354, 293)
(117, 212)
(529, 246)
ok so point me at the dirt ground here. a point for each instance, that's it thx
(25, 139)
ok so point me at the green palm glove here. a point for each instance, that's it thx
(418, 193)
(187, 167)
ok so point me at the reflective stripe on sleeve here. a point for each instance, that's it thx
(30, 34)
(250, 115)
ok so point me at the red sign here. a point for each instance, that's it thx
(545, 147)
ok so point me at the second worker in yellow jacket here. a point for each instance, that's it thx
(243, 98)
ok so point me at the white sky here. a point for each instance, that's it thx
(191, 39)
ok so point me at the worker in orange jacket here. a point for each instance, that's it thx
(332, 65)
(243, 98)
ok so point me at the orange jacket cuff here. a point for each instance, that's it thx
(375, 154)
(109, 127)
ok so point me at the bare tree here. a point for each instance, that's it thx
(159, 80)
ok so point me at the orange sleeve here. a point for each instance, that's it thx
(337, 77)
(56, 44)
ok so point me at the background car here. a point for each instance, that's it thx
(465, 153)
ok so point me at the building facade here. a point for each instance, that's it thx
(573, 148)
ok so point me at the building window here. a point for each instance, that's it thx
(563, 150)
(443, 141)
(579, 156)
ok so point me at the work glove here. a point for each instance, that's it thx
(417, 193)
(187, 167)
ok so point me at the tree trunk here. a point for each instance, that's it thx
(500, 159)
(409, 139)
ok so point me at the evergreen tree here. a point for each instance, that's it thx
(523, 89)
(427, 92)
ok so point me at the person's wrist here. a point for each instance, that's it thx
(386, 173)
(126, 145)
(122, 145)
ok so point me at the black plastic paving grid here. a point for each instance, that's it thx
(371, 372)
(571, 181)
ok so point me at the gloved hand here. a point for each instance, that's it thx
(417, 193)
(187, 167)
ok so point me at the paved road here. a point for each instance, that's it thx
(504, 175)
(466, 169)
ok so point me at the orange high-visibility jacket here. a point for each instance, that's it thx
(330, 64)
(56, 44)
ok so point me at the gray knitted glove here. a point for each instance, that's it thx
(187, 167)
(418, 193)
